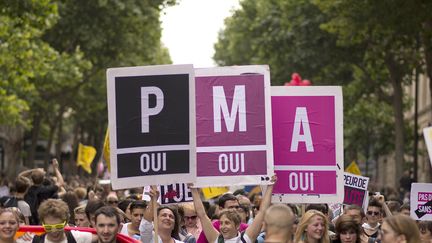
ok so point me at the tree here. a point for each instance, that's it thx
(389, 46)
(352, 43)
(110, 33)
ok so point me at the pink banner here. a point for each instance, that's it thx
(321, 122)
(305, 182)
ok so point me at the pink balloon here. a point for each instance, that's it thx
(305, 83)
(296, 77)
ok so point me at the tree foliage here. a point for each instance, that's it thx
(53, 59)
(359, 44)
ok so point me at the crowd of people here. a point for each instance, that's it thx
(37, 198)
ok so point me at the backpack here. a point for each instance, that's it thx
(220, 238)
(8, 202)
(41, 238)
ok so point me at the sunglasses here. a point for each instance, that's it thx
(112, 202)
(54, 227)
(190, 217)
(372, 213)
(233, 207)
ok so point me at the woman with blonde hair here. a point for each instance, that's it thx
(313, 228)
(399, 229)
(9, 224)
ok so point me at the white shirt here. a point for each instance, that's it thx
(237, 239)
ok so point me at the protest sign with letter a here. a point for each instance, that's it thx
(151, 125)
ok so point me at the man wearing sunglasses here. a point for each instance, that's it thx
(374, 215)
(54, 215)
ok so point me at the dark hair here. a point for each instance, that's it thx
(346, 223)
(375, 203)
(175, 231)
(71, 200)
(123, 204)
(138, 204)
(322, 207)
(92, 206)
(37, 176)
(405, 206)
(108, 211)
(22, 184)
(226, 197)
(425, 225)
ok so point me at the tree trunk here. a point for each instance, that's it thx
(36, 125)
(47, 155)
(12, 141)
(427, 48)
(59, 136)
(395, 166)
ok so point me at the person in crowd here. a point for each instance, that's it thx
(359, 216)
(374, 215)
(91, 208)
(81, 193)
(405, 209)
(323, 208)
(9, 224)
(425, 228)
(399, 229)
(39, 192)
(167, 220)
(356, 212)
(226, 201)
(348, 230)
(393, 206)
(245, 209)
(22, 184)
(4, 185)
(80, 217)
(112, 199)
(107, 224)
(72, 201)
(124, 206)
(184, 235)
(278, 223)
(230, 220)
(313, 227)
(131, 229)
(54, 215)
(191, 223)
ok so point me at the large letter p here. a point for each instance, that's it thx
(146, 110)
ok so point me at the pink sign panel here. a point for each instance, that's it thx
(253, 132)
(321, 117)
(312, 182)
(307, 144)
(233, 122)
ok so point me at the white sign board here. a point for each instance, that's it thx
(151, 114)
(421, 201)
(233, 120)
(308, 144)
(427, 133)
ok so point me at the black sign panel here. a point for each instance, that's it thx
(169, 126)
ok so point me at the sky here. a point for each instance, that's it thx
(190, 29)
